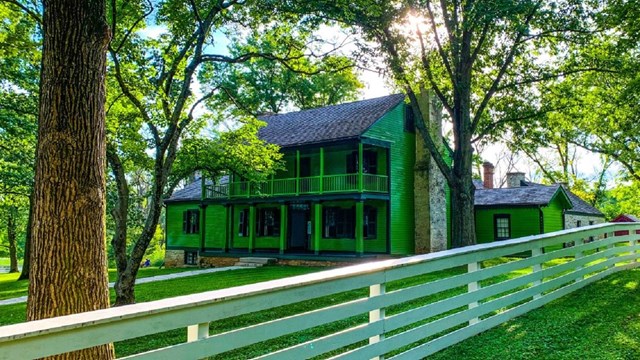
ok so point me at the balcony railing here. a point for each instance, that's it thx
(328, 184)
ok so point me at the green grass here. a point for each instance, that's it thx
(10, 288)
(601, 321)
(7, 262)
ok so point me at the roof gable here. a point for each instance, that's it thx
(329, 123)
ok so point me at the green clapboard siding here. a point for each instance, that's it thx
(176, 238)
(553, 215)
(524, 221)
(402, 163)
(238, 242)
(215, 226)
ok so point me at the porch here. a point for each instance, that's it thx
(350, 167)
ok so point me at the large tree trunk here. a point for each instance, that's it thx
(24, 275)
(463, 190)
(11, 237)
(68, 258)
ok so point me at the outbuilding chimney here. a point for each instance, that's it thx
(515, 179)
(488, 175)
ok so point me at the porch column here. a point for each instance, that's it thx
(317, 227)
(252, 228)
(359, 227)
(227, 228)
(297, 172)
(203, 187)
(360, 168)
(283, 227)
(321, 169)
(230, 228)
(203, 225)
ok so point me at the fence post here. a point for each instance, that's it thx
(577, 256)
(197, 332)
(537, 251)
(611, 246)
(377, 314)
(473, 286)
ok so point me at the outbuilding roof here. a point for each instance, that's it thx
(519, 196)
(329, 123)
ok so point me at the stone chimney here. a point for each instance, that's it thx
(488, 175)
(430, 200)
(514, 179)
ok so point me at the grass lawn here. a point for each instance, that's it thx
(601, 321)
(10, 288)
(7, 262)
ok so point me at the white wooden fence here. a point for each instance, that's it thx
(412, 311)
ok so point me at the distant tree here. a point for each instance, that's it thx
(20, 69)
(68, 267)
(266, 86)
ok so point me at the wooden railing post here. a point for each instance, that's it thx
(537, 251)
(578, 255)
(377, 314)
(473, 286)
(197, 332)
(634, 242)
(321, 170)
(611, 246)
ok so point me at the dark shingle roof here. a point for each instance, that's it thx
(582, 207)
(524, 195)
(193, 191)
(478, 184)
(327, 123)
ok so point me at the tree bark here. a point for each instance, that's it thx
(11, 237)
(26, 261)
(68, 257)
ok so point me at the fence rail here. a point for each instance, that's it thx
(415, 306)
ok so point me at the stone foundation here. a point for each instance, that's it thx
(173, 258)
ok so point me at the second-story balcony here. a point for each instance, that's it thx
(317, 185)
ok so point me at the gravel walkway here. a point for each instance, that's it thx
(178, 275)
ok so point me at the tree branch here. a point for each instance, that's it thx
(34, 15)
(503, 69)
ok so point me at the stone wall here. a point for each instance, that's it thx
(173, 258)
(571, 220)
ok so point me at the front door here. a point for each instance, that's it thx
(299, 228)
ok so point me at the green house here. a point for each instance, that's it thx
(347, 189)
(524, 208)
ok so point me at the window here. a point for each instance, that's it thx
(243, 222)
(191, 221)
(409, 120)
(370, 223)
(190, 258)
(370, 161)
(352, 162)
(502, 226)
(339, 223)
(578, 223)
(268, 222)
